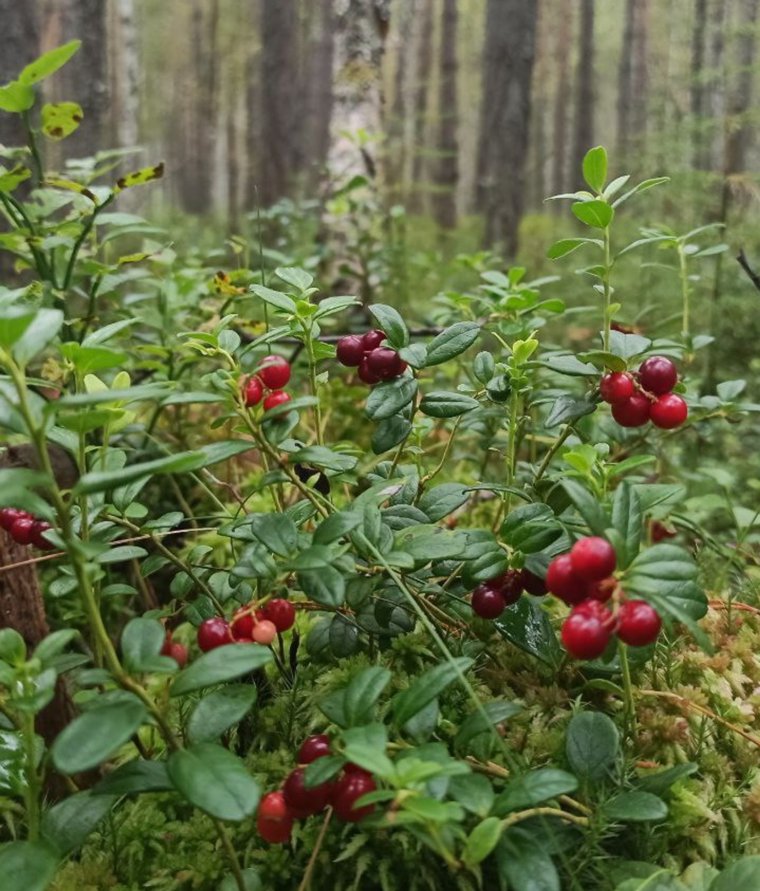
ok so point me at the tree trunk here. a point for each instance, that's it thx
(447, 173)
(505, 117)
(21, 45)
(716, 88)
(319, 90)
(625, 81)
(561, 104)
(583, 124)
(739, 130)
(124, 74)
(399, 125)
(420, 173)
(698, 90)
(633, 79)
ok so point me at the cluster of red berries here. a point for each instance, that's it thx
(583, 578)
(272, 374)
(24, 529)
(375, 363)
(297, 801)
(491, 598)
(248, 625)
(645, 395)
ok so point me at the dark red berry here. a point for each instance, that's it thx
(669, 411)
(510, 585)
(660, 531)
(174, 650)
(372, 340)
(601, 590)
(213, 633)
(638, 623)
(632, 413)
(488, 601)
(274, 821)
(22, 530)
(533, 583)
(348, 790)
(241, 625)
(563, 581)
(366, 374)
(253, 392)
(593, 558)
(278, 397)
(301, 800)
(274, 372)
(9, 515)
(314, 747)
(658, 375)
(587, 630)
(617, 386)
(281, 613)
(385, 363)
(350, 350)
(38, 535)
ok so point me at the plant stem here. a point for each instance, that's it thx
(559, 442)
(33, 147)
(607, 290)
(542, 812)
(629, 705)
(306, 880)
(683, 275)
(313, 382)
(32, 791)
(221, 831)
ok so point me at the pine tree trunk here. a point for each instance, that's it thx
(505, 117)
(561, 103)
(420, 172)
(124, 74)
(583, 124)
(21, 45)
(739, 130)
(698, 91)
(319, 90)
(399, 133)
(625, 81)
(447, 172)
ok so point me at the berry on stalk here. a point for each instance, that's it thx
(669, 411)
(281, 613)
(350, 350)
(213, 633)
(634, 412)
(348, 790)
(313, 747)
(264, 632)
(638, 623)
(617, 386)
(303, 801)
(658, 375)
(38, 535)
(253, 392)
(385, 363)
(22, 530)
(372, 340)
(587, 630)
(278, 397)
(487, 601)
(274, 372)
(9, 515)
(593, 558)
(273, 820)
(532, 583)
(366, 374)
(563, 581)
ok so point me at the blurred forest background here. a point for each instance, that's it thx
(456, 109)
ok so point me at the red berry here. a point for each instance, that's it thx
(488, 601)
(660, 531)
(274, 821)
(632, 413)
(9, 515)
(510, 585)
(601, 590)
(38, 539)
(22, 530)
(314, 747)
(563, 581)
(593, 558)
(350, 350)
(213, 633)
(174, 650)
(281, 613)
(658, 375)
(241, 626)
(532, 583)
(264, 632)
(303, 801)
(385, 363)
(366, 374)
(587, 630)
(638, 623)
(372, 340)
(253, 392)
(669, 411)
(278, 397)
(617, 386)
(348, 790)
(274, 372)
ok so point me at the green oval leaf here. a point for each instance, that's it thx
(223, 664)
(96, 735)
(214, 780)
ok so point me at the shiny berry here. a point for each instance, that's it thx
(372, 340)
(301, 800)
(38, 535)
(213, 633)
(9, 515)
(264, 632)
(593, 558)
(638, 623)
(510, 584)
(274, 821)
(563, 581)
(669, 411)
(366, 374)
(658, 375)
(587, 630)
(175, 650)
(659, 531)
(281, 613)
(348, 790)
(314, 747)
(617, 386)
(253, 392)
(350, 350)
(241, 626)
(488, 601)
(632, 413)
(22, 530)
(385, 363)
(278, 397)
(601, 590)
(274, 372)
(532, 583)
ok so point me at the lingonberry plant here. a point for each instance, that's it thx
(325, 555)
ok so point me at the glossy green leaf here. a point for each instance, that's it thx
(442, 404)
(592, 743)
(27, 866)
(388, 398)
(389, 319)
(219, 710)
(216, 781)
(597, 213)
(49, 62)
(452, 342)
(427, 687)
(595, 168)
(67, 824)
(97, 734)
(481, 841)
(636, 807)
(533, 788)
(222, 664)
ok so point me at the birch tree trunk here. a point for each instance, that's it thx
(447, 167)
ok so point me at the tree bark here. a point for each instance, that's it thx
(561, 104)
(319, 90)
(505, 117)
(21, 45)
(447, 172)
(633, 79)
(698, 92)
(738, 129)
(420, 172)
(399, 124)
(583, 124)
(124, 74)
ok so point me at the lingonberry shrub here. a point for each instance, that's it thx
(478, 473)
